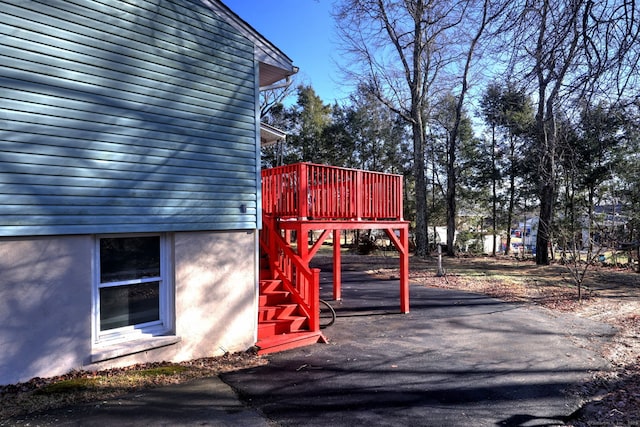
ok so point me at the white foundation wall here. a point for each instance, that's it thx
(45, 306)
(46, 303)
(216, 293)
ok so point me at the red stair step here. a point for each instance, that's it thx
(267, 313)
(270, 285)
(274, 298)
(272, 312)
(286, 310)
(289, 341)
(281, 326)
(265, 274)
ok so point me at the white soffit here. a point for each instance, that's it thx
(269, 135)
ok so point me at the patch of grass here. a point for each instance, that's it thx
(69, 386)
(162, 371)
(123, 380)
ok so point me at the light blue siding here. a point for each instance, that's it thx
(127, 116)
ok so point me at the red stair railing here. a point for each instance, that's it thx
(303, 282)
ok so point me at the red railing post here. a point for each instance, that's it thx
(337, 274)
(359, 192)
(314, 300)
(303, 191)
(400, 213)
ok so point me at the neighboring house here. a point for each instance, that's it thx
(129, 182)
(524, 236)
(608, 230)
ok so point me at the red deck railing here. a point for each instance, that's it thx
(310, 191)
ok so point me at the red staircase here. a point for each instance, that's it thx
(288, 315)
(301, 198)
(281, 324)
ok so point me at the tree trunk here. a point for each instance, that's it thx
(512, 196)
(452, 146)
(418, 132)
(451, 196)
(421, 237)
(494, 196)
(591, 218)
(546, 140)
(544, 224)
(547, 171)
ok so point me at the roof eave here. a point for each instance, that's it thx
(275, 65)
(270, 135)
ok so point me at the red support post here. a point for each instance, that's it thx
(303, 242)
(404, 270)
(337, 275)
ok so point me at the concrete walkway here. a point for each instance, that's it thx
(456, 359)
(203, 402)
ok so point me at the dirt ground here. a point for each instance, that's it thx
(612, 296)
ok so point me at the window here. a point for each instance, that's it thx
(131, 295)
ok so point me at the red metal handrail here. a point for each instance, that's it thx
(310, 191)
(303, 282)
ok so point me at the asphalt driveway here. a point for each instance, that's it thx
(457, 359)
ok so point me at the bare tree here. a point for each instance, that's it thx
(270, 97)
(569, 49)
(479, 17)
(409, 52)
(398, 49)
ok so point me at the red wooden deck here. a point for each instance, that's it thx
(306, 197)
(307, 191)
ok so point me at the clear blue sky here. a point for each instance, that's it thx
(305, 31)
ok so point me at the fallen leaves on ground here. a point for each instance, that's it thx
(618, 389)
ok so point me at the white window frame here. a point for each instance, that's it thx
(162, 326)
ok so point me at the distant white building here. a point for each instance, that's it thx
(523, 237)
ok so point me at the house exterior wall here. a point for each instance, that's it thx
(129, 116)
(45, 304)
(116, 118)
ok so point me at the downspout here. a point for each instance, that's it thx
(259, 222)
(256, 290)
